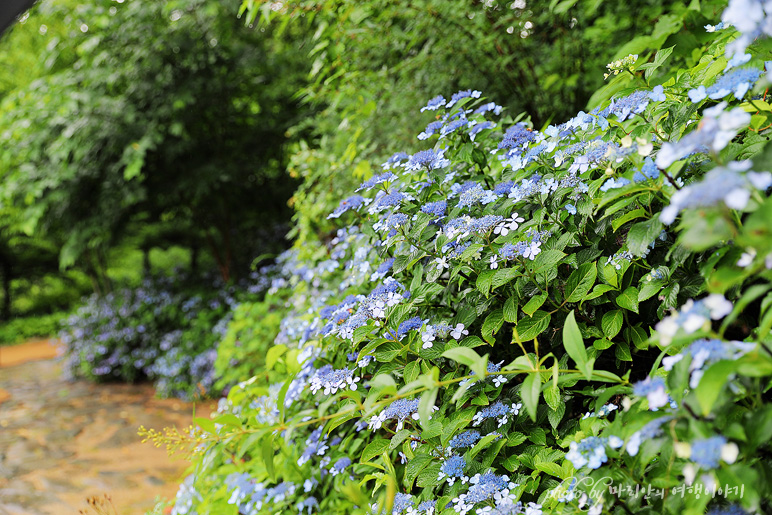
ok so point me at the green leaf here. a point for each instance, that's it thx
(529, 328)
(228, 419)
(574, 345)
(580, 281)
(529, 392)
(642, 234)
(612, 323)
(491, 325)
(426, 405)
(468, 357)
(550, 468)
(534, 303)
(484, 281)
(628, 299)
(273, 354)
(599, 290)
(206, 424)
(552, 396)
(268, 455)
(375, 448)
(546, 260)
(630, 215)
(659, 60)
(510, 310)
(712, 382)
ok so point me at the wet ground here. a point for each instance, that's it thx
(62, 442)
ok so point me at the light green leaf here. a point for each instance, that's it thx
(529, 392)
(468, 357)
(574, 345)
(375, 448)
(711, 384)
(534, 303)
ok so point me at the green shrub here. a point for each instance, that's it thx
(525, 321)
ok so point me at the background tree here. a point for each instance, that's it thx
(171, 114)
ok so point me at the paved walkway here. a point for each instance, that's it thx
(61, 441)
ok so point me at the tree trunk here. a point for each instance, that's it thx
(5, 312)
(146, 262)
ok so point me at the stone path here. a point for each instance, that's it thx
(62, 441)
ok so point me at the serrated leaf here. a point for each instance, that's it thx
(375, 448)
(268, 455)
(642, 234)
(552, 396)
(630, 215)
(611, 323)
(491, 325)
(580, 281)
(546, 260)
(510, 310)
(534, 303)
(628, 299)
(550, 468)
(484, 281)
(530, 327)
(426, 405)
(622, 352)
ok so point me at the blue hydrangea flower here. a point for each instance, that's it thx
(497, 410)
(590, 452)
(453, 127)
(351, 203)
(635, 103)
(452, 468)
(434, 104)
(737, 81)
(375, 180)
(395, 160)
(651, 430)
(654, 390)
(435, 208)
(731, 184)
(428, 159)
(462, 94)
(715, 131)
(465, 439)
(432, 128)
(479, 127)
(409, 325)
(340, 466)
(707, 453)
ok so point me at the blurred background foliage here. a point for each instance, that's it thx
(140, 137)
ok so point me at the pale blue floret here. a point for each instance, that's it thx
(707, 453)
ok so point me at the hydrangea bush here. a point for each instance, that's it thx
(515, 320)
(161, 331)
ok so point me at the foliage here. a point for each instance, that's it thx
(517, 320)
(163, 330)
(169, 116)
(18, 330)
(374, 61)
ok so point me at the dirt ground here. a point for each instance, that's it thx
(62, 441)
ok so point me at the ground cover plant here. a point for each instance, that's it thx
(525, 320)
